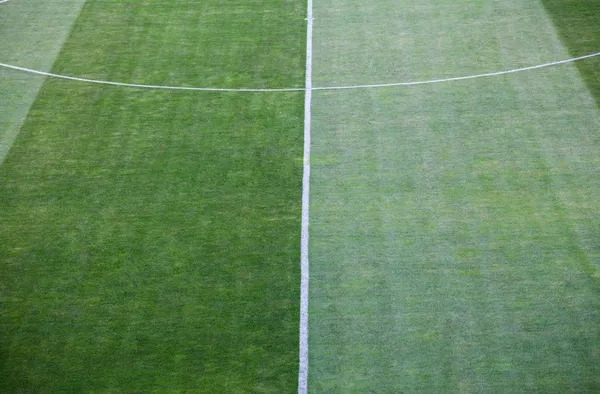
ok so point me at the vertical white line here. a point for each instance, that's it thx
(303, 367)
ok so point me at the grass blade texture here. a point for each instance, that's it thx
(32, 35)
(149, 239)
(578, 22)
(454, 226)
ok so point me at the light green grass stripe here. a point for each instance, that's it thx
(453, 226)
(32, 33)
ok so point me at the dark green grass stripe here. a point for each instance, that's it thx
(149, 239)
(578, 22)
(255, 44)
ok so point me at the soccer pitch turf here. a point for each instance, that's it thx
(150, 239)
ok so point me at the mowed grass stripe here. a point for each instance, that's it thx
(32, 33)
(453, 226)
(251, 44)
(578, 22)
(150, 240)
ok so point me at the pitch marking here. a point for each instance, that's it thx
(309, 21)
(304, 276)
(137, 85)
(491, 74)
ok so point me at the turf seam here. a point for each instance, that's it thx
(267, 90)
(304, 266)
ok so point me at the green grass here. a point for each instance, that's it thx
(33, 34)
(454, 227)
(578, 22)
(150, 239)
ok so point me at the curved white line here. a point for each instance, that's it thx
(3, 1)
(425, 82)
(430, 81)
(138, 85)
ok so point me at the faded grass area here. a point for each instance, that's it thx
(454, 226)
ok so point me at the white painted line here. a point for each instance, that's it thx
(3, 1)
(383, 85)
(137, 85)
(430, 81)
(304, 275)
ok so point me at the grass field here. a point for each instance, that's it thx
(578, 23)
(460, 269)
(150, 239)
(32, 33)
(454, 238)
